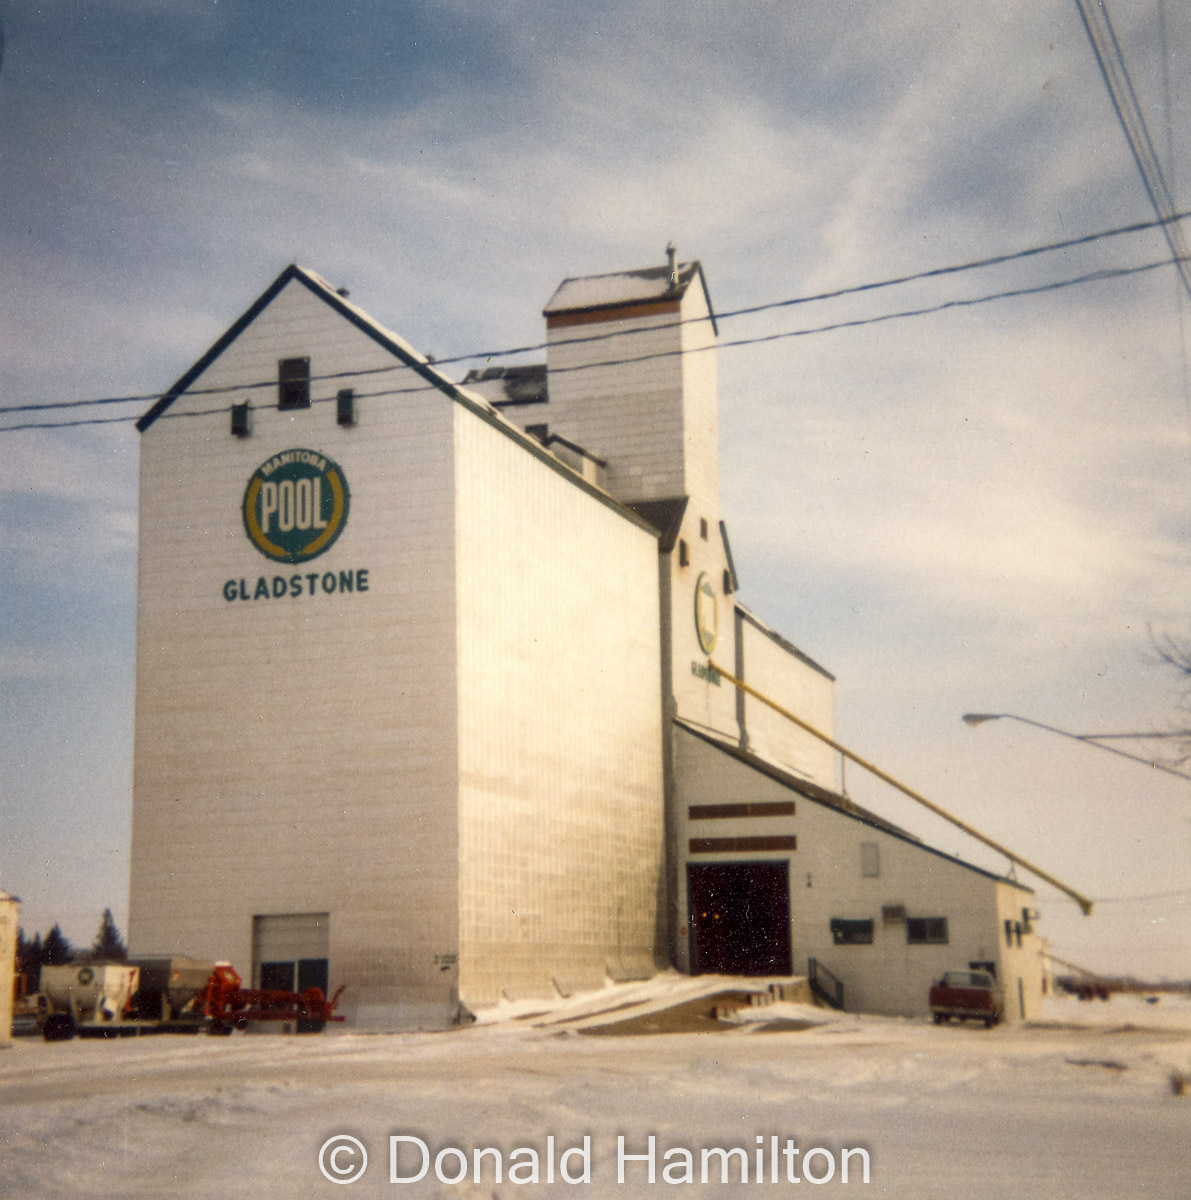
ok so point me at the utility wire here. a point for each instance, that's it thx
(855, 323)
(1115, 73)
(1171, 175)
(855, 289)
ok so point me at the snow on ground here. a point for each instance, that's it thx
(1078, 1105)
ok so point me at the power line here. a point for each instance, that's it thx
(1171, 174)
(854, 323)
(1115, 73)
(837, 293)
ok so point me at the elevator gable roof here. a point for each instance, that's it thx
(314, 283)
(403, 352)
(620, 289)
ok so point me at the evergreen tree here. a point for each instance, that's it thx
(56, 950)
(30, 956)
(109, 945)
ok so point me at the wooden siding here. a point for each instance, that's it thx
(9, 919)
(827, 882)
(773, 670)
(559, 729)
(652, 421)
(298, 754)
(1019, 962)
(709, 702)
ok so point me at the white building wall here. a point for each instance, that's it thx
(561, 847)
(700, 391)
(764, 663)
(827, 880)
(1020, 966)
(890, 976)
(8, 951)
(652, 420)
(701, 696)
(297, 755)
(629, 415)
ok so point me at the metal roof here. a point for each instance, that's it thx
(646, 285)
(522, 383)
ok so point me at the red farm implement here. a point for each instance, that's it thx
(228, 1005)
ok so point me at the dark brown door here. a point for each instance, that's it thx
(739, 918)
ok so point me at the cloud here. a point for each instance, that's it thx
(989, 501)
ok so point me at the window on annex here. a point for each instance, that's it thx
(848, 932)
(927, 931)
(293, 383)
(870, 860)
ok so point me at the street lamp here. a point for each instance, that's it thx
(1088, 739)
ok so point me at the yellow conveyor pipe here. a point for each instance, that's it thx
(1084, 903)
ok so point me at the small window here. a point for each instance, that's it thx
(847, 932)
(703, 528)
(241, 420)
(1008, 932)
(727, 582)
(893, 914)
(293, 383)
(345, 406)
(870, 860)
(926, 931)
(684, 555)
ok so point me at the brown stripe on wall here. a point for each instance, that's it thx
(714, 812)
(741, 845)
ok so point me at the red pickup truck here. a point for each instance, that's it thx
(966, 995)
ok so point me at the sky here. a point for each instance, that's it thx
(980, 509)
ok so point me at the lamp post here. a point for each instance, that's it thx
(1088, 739)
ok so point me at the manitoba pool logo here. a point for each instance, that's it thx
(707, 614)
(295, 505)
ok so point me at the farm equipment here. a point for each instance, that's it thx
(169, 995)
(85, 996)
(227, 1005)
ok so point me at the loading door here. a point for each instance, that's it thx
(739, 918)
(290, 954)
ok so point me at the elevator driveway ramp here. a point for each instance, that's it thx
(673, 1003)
